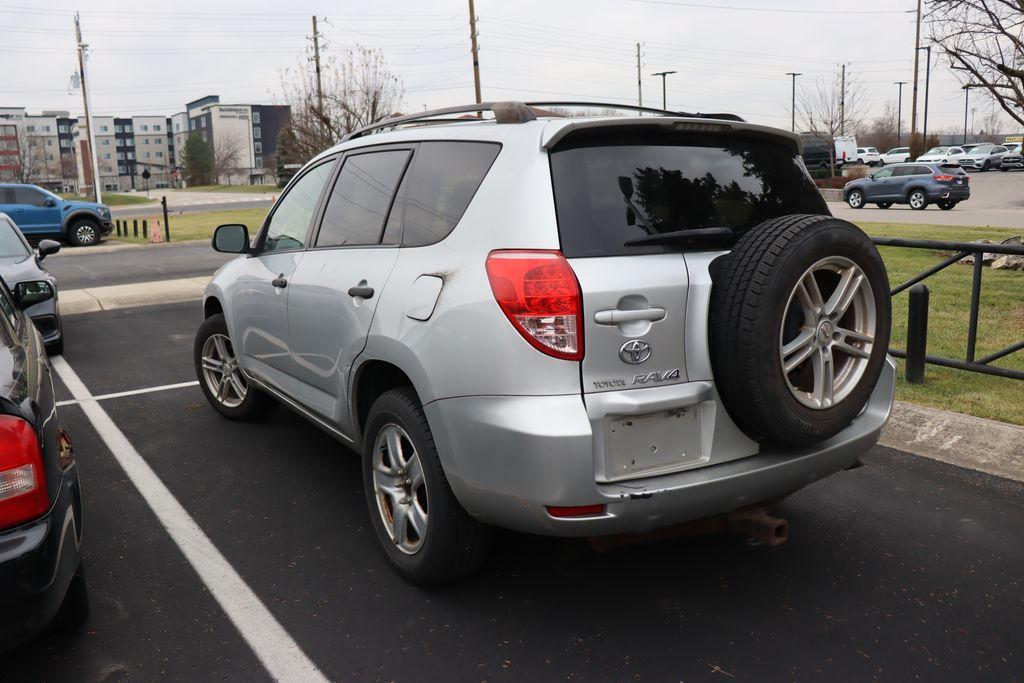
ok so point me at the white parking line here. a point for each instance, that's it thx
(133, 392)
(275, 648)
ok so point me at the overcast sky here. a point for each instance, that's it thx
(731, 55)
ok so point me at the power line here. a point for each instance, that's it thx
(772, 10)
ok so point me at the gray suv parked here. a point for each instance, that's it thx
(916, 184)
(564, 326)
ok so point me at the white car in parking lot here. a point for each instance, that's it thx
(868, 155)
(983, 157)
(943, 155)
(896, 155)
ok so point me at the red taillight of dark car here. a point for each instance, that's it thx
(942, 178)
(23, 494)
(539, 294)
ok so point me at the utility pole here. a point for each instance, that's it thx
(664, 104)
(967, 91)
(639, 82)
(316, 61)
(842, 101)
(792, 108)
(917, 59)
(90, 138)
(899, 110)
(927, 82)
(475, 49)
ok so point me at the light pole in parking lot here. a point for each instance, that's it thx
(927, 81)
(899, 110)
(792, 106)
(663, 74)
(967, 92)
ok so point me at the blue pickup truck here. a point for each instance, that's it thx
(40, 214)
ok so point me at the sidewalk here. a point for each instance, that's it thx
(89, 300)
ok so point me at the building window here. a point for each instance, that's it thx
(105, 142)
(202, 122)
(104, 129)
(177, 127)
(259, 162)
(128, 128)
(30, 129)
(255, 117)
(106, 155)
(156, 127)
(62, 128)
(258, 147)
(49, 143)
(65, 143)
(145, 141)
(159, 155)
(131, 155)
(122, 170)
(144, 128)
(49, 157)
(46, 129)
(118, 128)
(257, 133)
(193, 122)
(145, 155)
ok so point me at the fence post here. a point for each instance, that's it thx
(167, 222)
(917, 334)
(135, 226)
(117, 226)
(972, 325)
(145, 230)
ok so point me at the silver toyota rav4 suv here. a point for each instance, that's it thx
(573, 326)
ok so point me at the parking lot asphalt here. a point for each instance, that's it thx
(903, 569)
(80, 268)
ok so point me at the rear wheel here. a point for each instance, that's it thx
(426, 534)
(84, 233)
(799, 327)
(946, 205)
(918, 200)
(855, 199)
(220, 376)
(883, 205)
(984, 167)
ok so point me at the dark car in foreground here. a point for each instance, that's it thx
(22, 269)
(916, 184)
(41, 580)
(40, 213)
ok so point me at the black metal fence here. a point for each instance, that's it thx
(917, 315)
(129, 227)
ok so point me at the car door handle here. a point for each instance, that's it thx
(615, 316)
(280, 281)
(362, 292)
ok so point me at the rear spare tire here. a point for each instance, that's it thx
(799, 327)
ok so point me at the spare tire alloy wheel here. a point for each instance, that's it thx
(799, 327)
(856, 199)
(400, 489)
(826, 358)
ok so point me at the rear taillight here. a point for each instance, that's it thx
(538, 292)
(943, 178)
(23, 494)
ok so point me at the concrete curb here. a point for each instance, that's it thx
(114, 246)
(831, 195)
(78, 301)
(962, 440)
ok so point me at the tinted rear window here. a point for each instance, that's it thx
(663, 182)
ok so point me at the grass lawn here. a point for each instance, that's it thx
(115, 199)
(244, 189)
(193, 226)
(1000, 322)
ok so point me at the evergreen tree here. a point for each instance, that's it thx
(197, 159)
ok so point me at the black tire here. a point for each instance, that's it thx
(984, 167)
(883, 205)
(454, 545)
(946, 206)
(84, 232)
(255, 405)
(74, 610)
(1004, 170)
(855, 199)
(921, 201)
(750, 304)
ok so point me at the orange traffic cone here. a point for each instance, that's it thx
(157, 236)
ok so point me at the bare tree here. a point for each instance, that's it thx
(227, 155)
(30, 161)
(824, 114)
(358, 89)
(69, 171)
(882, 131)
(985, 45)
(992, 124)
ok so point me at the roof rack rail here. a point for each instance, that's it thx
(512, 112)
(638, 108)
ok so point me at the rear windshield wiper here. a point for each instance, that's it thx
(698, 237)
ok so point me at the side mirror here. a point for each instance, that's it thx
(28, 294)
(232, 238)
(47, 247)
(50, 201)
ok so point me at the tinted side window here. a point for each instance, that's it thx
(884, 173)
(361, 197)
(26, 195)
(289, 223)
(922, 170)
(903, 171)
(443, 179)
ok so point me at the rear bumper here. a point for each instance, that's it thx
(954, 193)
(37, 562)
(508, 457)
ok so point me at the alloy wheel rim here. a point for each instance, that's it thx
(827, 333)
(916, 199)
(221, 373)
(400, 488)
(85, 234)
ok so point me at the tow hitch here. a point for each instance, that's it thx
(753, 522)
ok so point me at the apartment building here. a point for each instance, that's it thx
(38, 147)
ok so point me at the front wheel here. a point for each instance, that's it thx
(984, 167)
(220, 376)
(84, 233)
(918, 200)
(855, 199)
(426, 534)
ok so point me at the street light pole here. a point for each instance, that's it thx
(967, 91)
(792, 106)
(899, 111)
(927, 82)
(663, 74)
